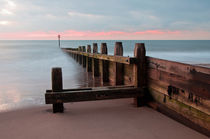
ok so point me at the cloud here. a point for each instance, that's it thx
(84, 15)
(6, 12)
(144, 15)
(4, 23)
(50, 16)
(11, 4)
(7, 7)
(102, 18)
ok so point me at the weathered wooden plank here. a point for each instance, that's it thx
(187, 71)
(119, 59)
(194, 115)
(196, 87)
(169, 65)
(182, 96)
(74, 89)
(111, 72)
(128, 74)
(92, 95)
(72, 49)
(93, 88)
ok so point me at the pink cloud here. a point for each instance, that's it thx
(91, 35)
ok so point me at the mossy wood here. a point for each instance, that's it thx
(181, 87)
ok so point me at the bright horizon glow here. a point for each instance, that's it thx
(110, 35)
(97, 20)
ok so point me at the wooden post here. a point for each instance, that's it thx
(59, 41)
(89, 48)
(118, 67)
(83, 49)
(77, 57)
(74, 55)
(95, 62)
(95, 48)
(83, 57)
(139, 71)
(88, 60)
(104, 65)
(57, 86)
(80, 57)
(79, 48)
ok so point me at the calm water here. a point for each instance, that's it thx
(26, 65)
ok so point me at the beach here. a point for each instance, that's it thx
(96, 119)
(23, 113)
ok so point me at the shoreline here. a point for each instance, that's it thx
(96, 119)
(203, 65)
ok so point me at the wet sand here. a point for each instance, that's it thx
(93, 120)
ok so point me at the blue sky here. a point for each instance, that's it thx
(107, 19)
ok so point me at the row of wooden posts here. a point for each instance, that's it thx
(98, 63)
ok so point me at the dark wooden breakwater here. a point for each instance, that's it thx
(179, 90)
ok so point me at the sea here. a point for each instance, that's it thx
(25, 71)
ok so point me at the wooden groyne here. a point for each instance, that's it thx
(181, 91)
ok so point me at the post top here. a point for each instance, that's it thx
(103, 48)
(56, 68)
(95, 48)
(118, 43)
(118, 50)
(139, 50)
(95, 44)
(89, 48)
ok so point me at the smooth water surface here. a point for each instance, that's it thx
(25, 71)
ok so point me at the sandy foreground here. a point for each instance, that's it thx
(115, 119)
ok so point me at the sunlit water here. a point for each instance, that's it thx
(26, 65)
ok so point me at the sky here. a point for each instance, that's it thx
(107, 19)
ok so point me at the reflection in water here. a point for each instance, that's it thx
(9, 94)
(92, 81)
(26, 72)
